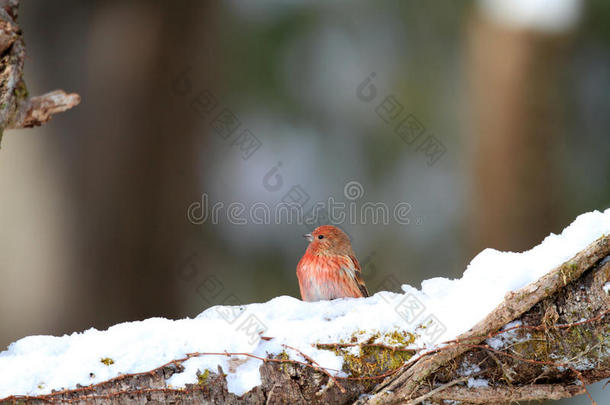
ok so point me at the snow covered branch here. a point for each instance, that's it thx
(538, 349)
(516, 326)
(17, 109)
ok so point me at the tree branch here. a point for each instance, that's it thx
(559, 345)
(551, 287)
(36, 111)
(17, 110)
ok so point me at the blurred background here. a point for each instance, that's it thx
(489, 120)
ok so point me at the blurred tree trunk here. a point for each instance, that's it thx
(131, 234)
(515, 86)
(126, 164)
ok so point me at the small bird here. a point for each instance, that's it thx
(329, 268)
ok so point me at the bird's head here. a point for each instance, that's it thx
(328, 240)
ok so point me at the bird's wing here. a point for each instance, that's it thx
(358, 276)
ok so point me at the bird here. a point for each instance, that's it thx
(329, 268)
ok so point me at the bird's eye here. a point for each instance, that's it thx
(320, 236)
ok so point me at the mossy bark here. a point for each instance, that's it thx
(570, 293)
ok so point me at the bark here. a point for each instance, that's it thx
(566, 295)
(560, 346)
(17, 109)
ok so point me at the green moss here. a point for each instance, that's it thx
(202, 378)
(372, 360)
(107, 361)
(283, 356)
(367, 360)
(400, 338)
(572, 345)
(579, 338)
(536, 348)
(568, 272)
(21, 91)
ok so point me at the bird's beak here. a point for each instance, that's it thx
(308, 236)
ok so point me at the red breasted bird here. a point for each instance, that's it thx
(329, 268)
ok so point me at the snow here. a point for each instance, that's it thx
(437, 312)
(477, 383)
(500, 341)
(606, 287)
(538, 15)
(468, 369)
